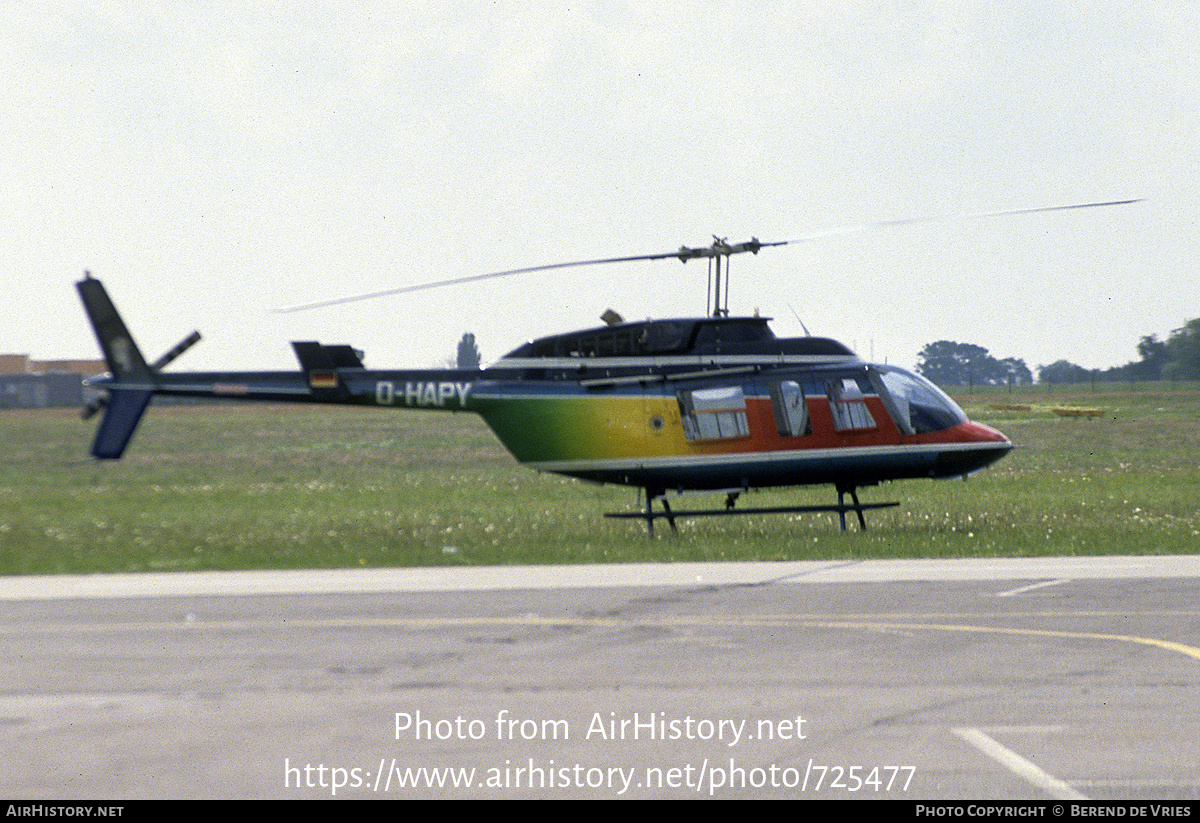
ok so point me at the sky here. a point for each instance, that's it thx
(212, 162)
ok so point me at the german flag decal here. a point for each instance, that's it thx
(323, 380)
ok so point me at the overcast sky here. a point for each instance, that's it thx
(213, 161)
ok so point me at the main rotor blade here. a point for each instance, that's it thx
(718, 248)
(804, 238)
(470, 279)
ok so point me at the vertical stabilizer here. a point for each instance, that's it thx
(121, 416)
(132, 382)
(124, 359)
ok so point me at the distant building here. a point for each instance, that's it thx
(37, 384)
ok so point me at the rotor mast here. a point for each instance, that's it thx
(719, 248)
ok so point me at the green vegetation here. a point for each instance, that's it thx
(948, 363)
(233, 487)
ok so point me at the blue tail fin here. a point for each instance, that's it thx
(124, 359)
(121, 416)
(132, 383)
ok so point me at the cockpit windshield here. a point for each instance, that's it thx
(920, 405)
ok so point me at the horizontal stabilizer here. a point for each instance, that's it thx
(315, 356)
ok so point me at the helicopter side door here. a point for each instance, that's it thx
(790, 408)
(831, 409)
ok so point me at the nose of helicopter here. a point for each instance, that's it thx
(979, 433)
(975, 446)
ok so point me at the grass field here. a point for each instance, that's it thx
(237, 487)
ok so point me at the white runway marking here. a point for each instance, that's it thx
(1031, 587)
(1019, 766)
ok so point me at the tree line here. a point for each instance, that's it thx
(964, 364)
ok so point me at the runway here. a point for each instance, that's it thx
(1032, 678)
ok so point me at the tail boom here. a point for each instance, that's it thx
(328, 374)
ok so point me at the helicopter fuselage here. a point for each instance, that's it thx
(666, 405)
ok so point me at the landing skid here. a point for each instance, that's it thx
(841, 507)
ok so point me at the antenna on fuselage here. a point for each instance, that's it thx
(796, 314)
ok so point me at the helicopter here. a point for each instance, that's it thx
(707, 404)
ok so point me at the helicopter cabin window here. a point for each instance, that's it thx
(791, 414)
(920, 406)
(846, 404)
(714, 414)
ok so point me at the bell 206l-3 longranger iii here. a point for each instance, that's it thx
(704, 404)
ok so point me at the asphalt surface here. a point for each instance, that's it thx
(1039, 678)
